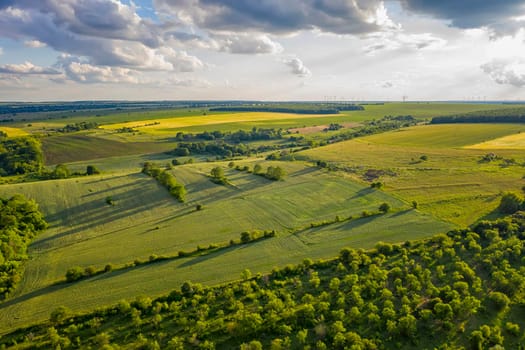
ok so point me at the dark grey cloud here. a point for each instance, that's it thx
(496, 15)
(276, 16)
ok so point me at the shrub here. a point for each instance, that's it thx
(499, 300)
(74, 274)
(384, 208)
(510, 203)
(92, 170)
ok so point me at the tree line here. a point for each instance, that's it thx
(20, 222)
(237, 136)
(166, 179)
(511, 115)
(331, 109)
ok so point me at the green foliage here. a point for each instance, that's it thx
(510, 203)
(509, 115)
(78, 126)
(21, 155)
(61, 171)
(275, 173)
(74, 274)
(20, 221)
(424, 295)
(166, 179)
(217, 176)
(257, 168)
(384, 207)
(92, 170)
(217, 173)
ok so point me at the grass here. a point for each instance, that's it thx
(86, 231)
(446, 135)
(516, 141)
(71, 148)
(452, 184)
(422, 110)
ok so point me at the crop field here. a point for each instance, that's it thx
(71, 148)
(13, 132)
(452, 183)
(172, 124)
(516, 141)
(86, 231)
(446, 135)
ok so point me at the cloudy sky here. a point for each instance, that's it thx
(262, 49)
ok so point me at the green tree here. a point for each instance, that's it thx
(510, 203)
(384, 208)
(59, 314)
(92, 170)
(74, 274)
(217, 173)
(275, 173)
(257, 168)
(61, 172)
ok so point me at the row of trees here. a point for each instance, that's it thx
(166, 179)
(255, 134)
(20, 222)
(311, 109)
(78, 127)
(463, 289)
(218, 148)
(508, 115)
(61, 171)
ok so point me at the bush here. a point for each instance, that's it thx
(92, 170)
(384, 208)
(74, 274)
(510, 203)
(245, 237)
(499, 300)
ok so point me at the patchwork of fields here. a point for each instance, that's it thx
(440, 167)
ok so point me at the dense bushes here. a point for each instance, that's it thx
(510, 203)
(21, 155)
(20, 221)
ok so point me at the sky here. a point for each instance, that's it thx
(420, 50)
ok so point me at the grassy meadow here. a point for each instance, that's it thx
(452, 187)
(452, 183)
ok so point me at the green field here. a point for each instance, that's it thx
(72, 148)
(86, 231)
(451, 184)
(452, 187)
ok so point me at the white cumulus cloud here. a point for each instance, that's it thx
(297, 67)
